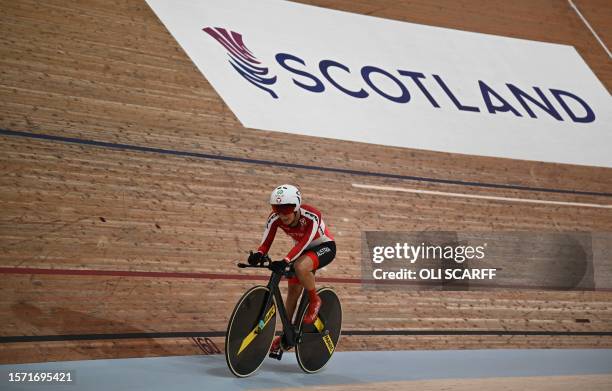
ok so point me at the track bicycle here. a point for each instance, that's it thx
(252, 326)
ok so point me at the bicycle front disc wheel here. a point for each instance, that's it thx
(248, 340)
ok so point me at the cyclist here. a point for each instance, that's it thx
(314, 248)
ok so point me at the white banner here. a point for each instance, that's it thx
(300, 69)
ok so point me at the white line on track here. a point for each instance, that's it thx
(483, 197)
(590, 28)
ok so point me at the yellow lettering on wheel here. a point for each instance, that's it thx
(319, 325)
(249, 338)
(329, 343)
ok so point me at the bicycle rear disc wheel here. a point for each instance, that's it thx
(245, 348)
(318, 345)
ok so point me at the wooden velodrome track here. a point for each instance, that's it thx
(131, 188)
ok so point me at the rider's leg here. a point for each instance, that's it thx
(293, 295)
(304, 266)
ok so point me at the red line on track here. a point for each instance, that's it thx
(127, 273)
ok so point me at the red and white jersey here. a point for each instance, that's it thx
(308, 233)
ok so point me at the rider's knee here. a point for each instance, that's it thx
(300, 268)
(303, 265)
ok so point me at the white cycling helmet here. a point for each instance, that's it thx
(283, 196)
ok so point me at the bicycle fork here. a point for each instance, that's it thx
(289, 331)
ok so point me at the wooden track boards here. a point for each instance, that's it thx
(113, 74)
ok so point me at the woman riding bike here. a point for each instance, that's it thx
(314, 248)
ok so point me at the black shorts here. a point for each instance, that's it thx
(321, 255)
(324, 254)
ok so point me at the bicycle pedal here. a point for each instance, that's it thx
(277, 354)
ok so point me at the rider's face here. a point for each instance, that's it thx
(288, 219)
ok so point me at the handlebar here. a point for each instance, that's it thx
(260, 266)
(265, 264)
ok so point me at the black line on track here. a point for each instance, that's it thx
(129, 147)
(211, 334)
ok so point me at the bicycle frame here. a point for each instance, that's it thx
(291, 334)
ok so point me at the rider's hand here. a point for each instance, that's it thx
(278, 266)
(255, 258)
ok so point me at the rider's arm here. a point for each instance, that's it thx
(269, 233)
(304, 242)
